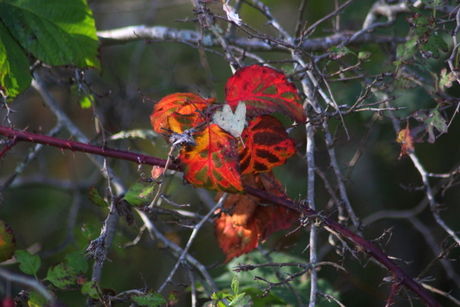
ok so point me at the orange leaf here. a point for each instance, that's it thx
(179, 112)
(213, 163)
(267, 145)
(406, 141)
(264, 90)
(239, 231)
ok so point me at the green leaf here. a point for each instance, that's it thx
(85, 101)
(62, 276)
(91, 288)
(173, 297)
(241, 300)
(447, 78)
(28, 263)
(364, 55)
(431, 119)
(57, 32)
(407, 50)
(235, 285)
(95, 198)
(139, 193)
(14, 66)
(7, 242)
(150, 299)
(338, 52)
(278, 295)
(36, 300)
(77, 261)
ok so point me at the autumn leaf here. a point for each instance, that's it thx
(179, 112)
(407, 142)
(213, 163)
(267, 145)
(7, 242)
(247, 222)
(264, 90)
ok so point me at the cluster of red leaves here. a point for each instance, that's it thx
(222, 162)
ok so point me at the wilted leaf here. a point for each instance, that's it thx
(248, 222)
(264, 90)
(336, 53)
(447, 78)
(179, 112)
(431, 119)
(213, 163)
(173, 297)
(232, 123)
(7, 242)
(267, 145)
(29, 264)
(62, 276)
(407, 143)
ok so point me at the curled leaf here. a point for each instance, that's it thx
(264, 90)
(407, 142)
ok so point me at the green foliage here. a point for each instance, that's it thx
(92, 289)
(221, 298)
(280, 295)
(77, 261)
(28, 263)
(61, 275)
(36, 300)
(431, 119)
(95, 198)
(139, 193)
(56, 32)
(150, 299)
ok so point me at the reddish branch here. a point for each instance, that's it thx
(400, 277)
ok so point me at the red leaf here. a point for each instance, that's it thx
(267, 145)
(213, 163)
(179, 112)
(264, 90)
(239, 231)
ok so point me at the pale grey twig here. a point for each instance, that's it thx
(29, 282)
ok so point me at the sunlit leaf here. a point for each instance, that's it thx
(178, 112)
(213, 163)
(28, 263)
(15, 74)
(57, 32)
(7, 242)
(239, 231)
(267, 145)
(139, 193)
(62, 276)
(264, 90)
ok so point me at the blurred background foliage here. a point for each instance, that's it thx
(40, 201)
